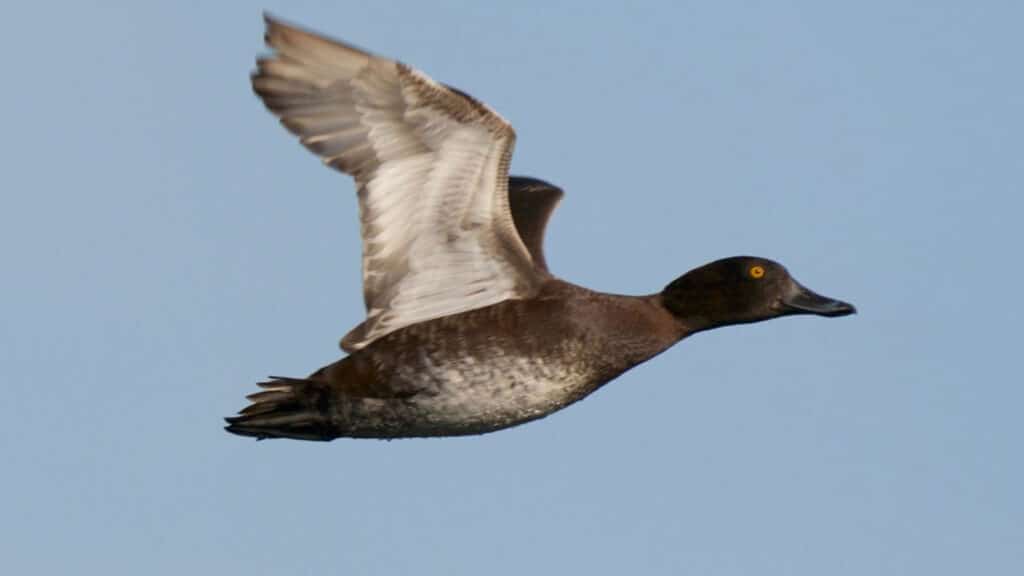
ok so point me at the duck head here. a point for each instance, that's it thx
(740, 290)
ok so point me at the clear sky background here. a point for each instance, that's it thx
(164, 244)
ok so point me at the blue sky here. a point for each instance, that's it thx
(165, 245)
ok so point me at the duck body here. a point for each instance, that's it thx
(466, 329)
(474, 372)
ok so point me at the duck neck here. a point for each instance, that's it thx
(687, 313)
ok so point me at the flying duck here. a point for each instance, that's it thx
(466, 329)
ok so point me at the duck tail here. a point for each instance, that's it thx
(286, 408)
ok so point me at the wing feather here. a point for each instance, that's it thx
(532, 202)
(431, 171)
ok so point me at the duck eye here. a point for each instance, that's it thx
(756, 271)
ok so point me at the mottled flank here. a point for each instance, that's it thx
(475, 372)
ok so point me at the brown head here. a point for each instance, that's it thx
(740, 290)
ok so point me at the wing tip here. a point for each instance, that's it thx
(282, 35)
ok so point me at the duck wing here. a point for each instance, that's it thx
(431, 170)
(532, 202)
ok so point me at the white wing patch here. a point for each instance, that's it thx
(431, 169)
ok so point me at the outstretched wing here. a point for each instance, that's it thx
(532, 202)
(431, 170)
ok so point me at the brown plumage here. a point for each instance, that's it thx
(467, 331)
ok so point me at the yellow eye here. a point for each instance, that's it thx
(756, 271)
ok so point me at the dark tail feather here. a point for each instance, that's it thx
(288, 408)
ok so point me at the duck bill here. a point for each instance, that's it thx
(803, 301)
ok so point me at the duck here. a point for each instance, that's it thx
(466, 330)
